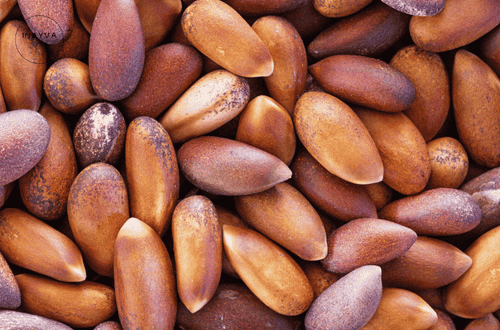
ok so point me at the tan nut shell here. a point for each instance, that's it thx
(449, 163)
(338, 8)
(488, 322)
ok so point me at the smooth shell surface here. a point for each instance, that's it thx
(261, 8)
(336, 8)
(490, 49)
(13, 320)
(449, 163)
(10, 295)
(333, 134)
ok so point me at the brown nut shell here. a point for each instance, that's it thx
(31, 243)
(267, 270)
(458, 24)
(109, 325)
(348, 303)
(380, 194)
(449, 163)
(97, 209)
(25, 137)
(288, 80)
(76, 46)
(318, 276)
(336, 8)
(86, 10)
(333, 134)
(144, 278)
(366, 241)
(444, 322)
(417, 7)
(10, 295)
(219, 32)
(23, 321)
(197, 239)
(152, 173)
(476, 104)
(483, 323)
(285, 216)
(209, 103)
(261, 8)
(6, 7)
(116, 49)
(266, 125)
(429, 264)
(80, 305)
(176, 63)
(490, 49)
(402, 148)
(226, 167)
(364, 81)
(45, 188)
(306, 19)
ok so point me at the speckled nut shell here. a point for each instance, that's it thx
(116, 49)
(31, 243)
(267, 270)
(209, 103)
(25, 137)
(449, 30)
(449, 163)
(333, 134)
(337, 8)
(10, 295)
(22, 66)
(45, 188)
(476, 104)
(51, 22)
(144, 279)
(364, 81)
(80, 305)
(13, 320)
(417, 7)
(226, 167)
(151, 167)
(348, 303)
(219, 32)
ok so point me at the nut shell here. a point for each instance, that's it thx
(11, 320)
(449, 163)
(417, 7)
(10, 295)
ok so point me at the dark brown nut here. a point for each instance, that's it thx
(434, 297)
(10, 295)
(80, 305)
(209, 103)
(335, 136)
(99, 135)
(483, 323)
(77, 45)
(401, 309)
(402, 148)
(151, 167)
(97, 209)
(449, 30)
(116, 49)
(306, 19)
(197, 239)
(329, 193)
(5, 191)
(144, 279)
(22, 66)
(366, 241)
(261, 8)
(440, 211)
(449, 163)
(348, 303)
(51, 22)
(45, 188)
(226, 167)
(429, 264)
(267, 270)
(380, 193)
(31, 243)
(12, 320)
(234, 306)
(285, 216)
(444, 322)
(417, 7)
(68, 88)
(476, 104)
(427, 73)
(266, 125)
(176, 63)
(3, 107)
(25, 137)
(364, 81)
(6, 7)
(288, 80)
(318, 276)
(219, 32)
(490, 49)
(86, 10)
(368, 32)
(109, 325)
(336, 8)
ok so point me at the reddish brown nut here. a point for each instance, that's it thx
(449, 30)
(77, 45)
(25, 136)
(488, 322)
(6, 7)
(366, 242)
(5, 191)
(99, 135)
(226, 167)
(490, 49)
(144, 279)
(364, 81)
(22, 66)
(176, 63)
(417, 7)
(268, 271)
(336, 8)
(333, 134)
(306, 19)
(86, 10)
(25, 321)
(116, 49)
(380, 193)
(348, 303)
(444, 322)
(197, 239)
(219, 32)
(10, 295)
(261, 8)
(151, 167)
(51, 22)
(45, 188)
(434, 297)
(449, 163)
(429, 264)
(109, 325)
(318, 276)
